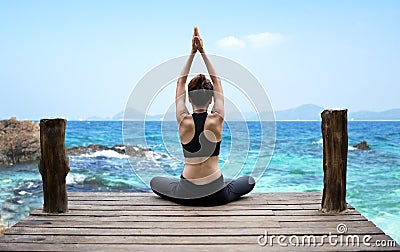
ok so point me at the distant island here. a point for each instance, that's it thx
(313, 112)
(306, 112)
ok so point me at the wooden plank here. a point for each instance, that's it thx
(250, 197)
(158, 201)
(161, 202)
(189, 231)
(175, 247)
(103, 239)
(188, 224)
(318, 224)
(127, 207)
(197, 213)
(162, 213)
(313, 212)
(279, 195)
(147, 224)
(84, 218)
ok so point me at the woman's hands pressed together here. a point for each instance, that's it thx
(197, 42)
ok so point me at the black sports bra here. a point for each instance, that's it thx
(200, 146)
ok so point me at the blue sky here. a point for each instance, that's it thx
(77, 59)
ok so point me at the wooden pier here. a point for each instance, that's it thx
(99, 221)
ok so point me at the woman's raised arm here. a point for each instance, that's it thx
(180, 96)
(218, 92)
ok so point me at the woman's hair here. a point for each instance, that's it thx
(200, 90)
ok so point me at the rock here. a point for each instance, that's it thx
(80, 150)
(362, 146)
(133, 151)
(19, 141)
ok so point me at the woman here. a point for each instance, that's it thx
(201, 182)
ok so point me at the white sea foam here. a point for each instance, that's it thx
(30, 184)
(73, 178)
(22, 192)
(156, 155)
(149, 154)
(7, 180)
(351, 148)
(106, 153)
(320, 141)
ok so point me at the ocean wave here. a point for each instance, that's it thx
(319, 142)
(352, 148)
(105, 153)
(30, 185)
(121, 147)
(73, 178)
(22, 192)
(155, 155)
(115, 152)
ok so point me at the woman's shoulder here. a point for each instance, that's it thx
(214, 121)
(186, 122)
(215, 117)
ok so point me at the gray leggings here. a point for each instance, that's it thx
(217, 192)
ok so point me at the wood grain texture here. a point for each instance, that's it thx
(133, 222)
(53, 165)
(335, 147)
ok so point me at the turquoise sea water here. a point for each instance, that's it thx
(373, 177)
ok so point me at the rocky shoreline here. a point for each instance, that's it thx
(132, 151)
(20, 143)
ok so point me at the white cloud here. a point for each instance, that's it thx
(264, 39)
(258, 40)
(231, 42)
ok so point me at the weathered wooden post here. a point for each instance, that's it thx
(335, 147)
(53, 165)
